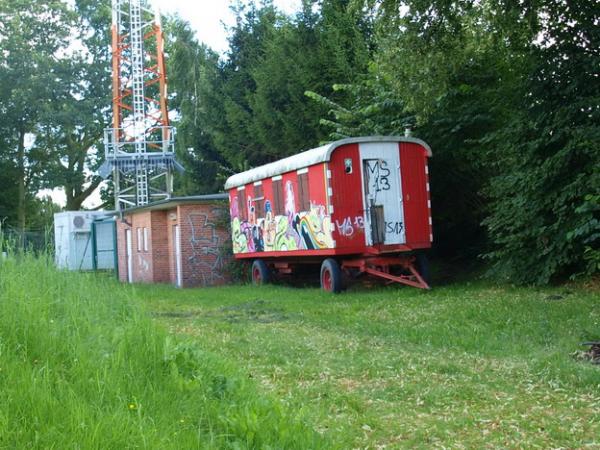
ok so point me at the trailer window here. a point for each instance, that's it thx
(278, 202)
(259, 201)
(242, 206)
(303, 194)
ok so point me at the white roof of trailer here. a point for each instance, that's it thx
(309, 158)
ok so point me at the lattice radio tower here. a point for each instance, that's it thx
(140, 147)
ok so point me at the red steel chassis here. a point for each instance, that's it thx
(377, 266)
(377, 261)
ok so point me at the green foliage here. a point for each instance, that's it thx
(476, 104)
(507, 97)
(235, 86)
(547, 155)
(192, 72)
(373, 110)
(54, 95)
(8, 187)
(71, 127)
(313, 52)
(83, 366)
(588, 232)
(250, 109)
(33, 34)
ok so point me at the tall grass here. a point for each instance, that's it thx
(82, 367)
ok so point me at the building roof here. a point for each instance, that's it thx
(174, 202)
(309, 158)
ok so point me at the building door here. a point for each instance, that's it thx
(177, 247)
(129, 254)
(382, 189)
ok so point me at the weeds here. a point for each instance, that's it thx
(82, 366)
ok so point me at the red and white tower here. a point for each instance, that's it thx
(140, 146)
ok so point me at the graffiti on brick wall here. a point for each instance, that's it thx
(296, 230)
(143, 264)
(206, 260)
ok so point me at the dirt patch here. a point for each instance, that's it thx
(258, 311)
(176, 314)
(348, 384)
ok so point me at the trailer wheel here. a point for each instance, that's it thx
(331, 276)
(260, 272)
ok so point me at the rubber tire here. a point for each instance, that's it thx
(422, 266)
(331, 276)
(260, 272)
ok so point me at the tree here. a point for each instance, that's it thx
(55, 95)
(435, 68)
(193, 73)
(71, 128)
(32, 35)
(507, 95)
(543, 214)
(315, 51)
(232, 129)
(250, 108)
(9, 182)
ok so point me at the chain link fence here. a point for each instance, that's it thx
(32, 240)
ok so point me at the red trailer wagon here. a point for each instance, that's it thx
(354, 206)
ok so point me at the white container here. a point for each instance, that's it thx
(73, 238)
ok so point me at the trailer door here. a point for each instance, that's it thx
(382, 193)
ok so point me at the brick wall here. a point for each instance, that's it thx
(160, 247)
(203, 232)
(142, 255)
(121, 250)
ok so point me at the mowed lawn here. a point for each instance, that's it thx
(466, 366)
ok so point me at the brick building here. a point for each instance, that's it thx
(178, 241)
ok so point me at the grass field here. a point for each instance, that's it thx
(83, 366)
(87, 363)
(467, 366)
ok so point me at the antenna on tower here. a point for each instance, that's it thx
(140, 146)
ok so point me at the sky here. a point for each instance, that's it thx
(207, 18)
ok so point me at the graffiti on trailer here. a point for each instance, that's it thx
(349, 226)
(206, 260)
(345, 227)
(296, 230)
(378, 175)
(394, 228)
